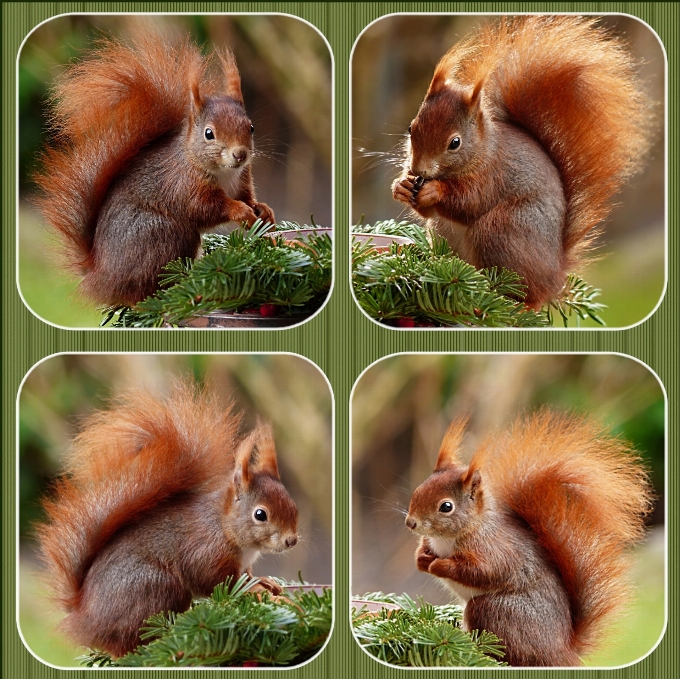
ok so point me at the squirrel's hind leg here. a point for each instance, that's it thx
(534, 633)
(117, 596)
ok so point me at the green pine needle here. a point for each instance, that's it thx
(233, 627)
(418, 634)
(426, 283)
(243, 270)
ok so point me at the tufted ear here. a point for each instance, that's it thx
(256, 455)
(197, 100)
(232, 78)
(473, 97)
(445, 71)
(264, 460)
(448, 452)
(472, 481)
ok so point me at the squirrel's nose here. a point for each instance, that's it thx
(411, 523)
(292, 541)
(419, 172)
(239, 154)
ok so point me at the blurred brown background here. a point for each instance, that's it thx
(286, 390)
(392, 65)
(286, 77)
(401, 408)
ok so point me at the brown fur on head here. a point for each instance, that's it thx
(447, 502)
(259, 510)
(448, 135)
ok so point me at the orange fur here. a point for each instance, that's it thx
(574, 86)
(528, 130)
(157, 505)
(585, 495)
(536, 528)
(129, 162)
(104, 110)
(126, 461)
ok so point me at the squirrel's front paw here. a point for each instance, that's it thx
(429, 194)
(268, 584)
(240, 212)
(424, 557)
(402, 190)
(265, 213)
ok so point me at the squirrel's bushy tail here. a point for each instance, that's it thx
(574, 86)
(105, 108)
(127, 460)
(585, 495)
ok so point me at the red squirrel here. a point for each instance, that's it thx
(532, 534)
(152, 145)
(160, 502)
(527, 131)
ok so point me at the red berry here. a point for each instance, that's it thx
(405, 322)
(268, 310)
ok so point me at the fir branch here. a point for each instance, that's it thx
(243, 270)
(424, 282)
(418, 634)
(235, 626)
(578, 299)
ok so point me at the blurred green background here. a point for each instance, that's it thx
(286, 78)
(401, 408)
(392, 65)
(286, 390)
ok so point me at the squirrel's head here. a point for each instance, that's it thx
(220, 131)
(451, 498)
(447, 137)
(261, 516)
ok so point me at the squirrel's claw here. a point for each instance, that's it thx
(269, 585)
(402, 190)
(265, 213)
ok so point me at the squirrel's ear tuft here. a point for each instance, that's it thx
(472, 480)
(197, 101)
(264, 460)
(473, 97)
(232, 78)
(242, 470)
(448, 453)
(256, 455)
(438, 82)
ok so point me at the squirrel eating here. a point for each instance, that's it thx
(160, 501)
(151, 146)
(527, 131)
(532, 534)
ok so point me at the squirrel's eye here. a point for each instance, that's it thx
(209, 134)
(446, 507)
(455, 144)
(252, 129)
(409, 129)
(260, 515)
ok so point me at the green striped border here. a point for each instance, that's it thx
(341, 340)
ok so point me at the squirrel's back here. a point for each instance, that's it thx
(574, 86)
(585, 495)
(127, 460)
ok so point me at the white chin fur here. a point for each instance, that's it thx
(441, 547)
(249, 557)
(229, 179)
